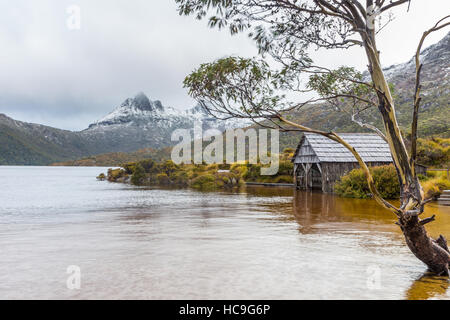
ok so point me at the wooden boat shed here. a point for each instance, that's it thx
(319, 162)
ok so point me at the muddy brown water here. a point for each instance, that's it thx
(149, 243)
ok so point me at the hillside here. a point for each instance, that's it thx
(435, 109)
(117, 158)
(33, 144)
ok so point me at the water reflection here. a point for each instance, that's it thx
(427, 287)
(312, 210)
(316, 213)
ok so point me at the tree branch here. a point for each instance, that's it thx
(417, 98)
(368, 126)
(393, 4)
(428, 220)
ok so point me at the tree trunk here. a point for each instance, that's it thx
(434, 253)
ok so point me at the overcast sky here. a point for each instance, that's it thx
(68, 78)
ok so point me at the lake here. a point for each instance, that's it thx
(149, 243)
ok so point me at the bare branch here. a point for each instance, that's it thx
(428, 220)
(368, 126)
(417, 98)
(394, 4)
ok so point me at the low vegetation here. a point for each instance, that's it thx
(434, 152)
(199, 176)
(354, 184)
(167, 173)
(101, 177)
(251, 172)
(434, 183)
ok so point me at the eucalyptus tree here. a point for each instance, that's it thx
(268, 86)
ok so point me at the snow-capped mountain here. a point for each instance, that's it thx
(141, 111)
(142, 123)
(132, 108)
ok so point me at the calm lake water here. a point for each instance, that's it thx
(143, 243)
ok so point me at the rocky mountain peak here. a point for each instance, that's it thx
(139, 107)
(142, 102)
(158, 105)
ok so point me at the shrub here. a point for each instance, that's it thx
(289, 150)
(162, 179)
(288, 153)
(199, 168)
(433, 152)
(204, 182)
(169, 167)
(101, 177)
(129, 167)
(193, 174)
(240, 170)
(354, 184)
(437, 174)
(423, 177)
(114, 174)
(432, 174)
(434, 187)
(212, 167)
(138, 176)
(252, 173)
(386, 181)
(283, 179)
(147, 165)
(286, 168)
(181, 178)
(229, 180)
(224, 166)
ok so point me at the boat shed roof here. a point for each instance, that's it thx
(315, 148)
